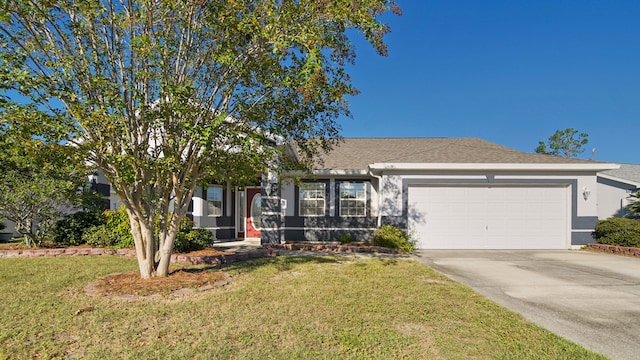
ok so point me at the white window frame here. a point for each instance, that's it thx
(209, 201)
(360, 196)
(316, 188)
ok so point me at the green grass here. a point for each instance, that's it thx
(276, 308)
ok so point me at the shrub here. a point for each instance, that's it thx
(618, 231)
(70, 229)
(115, 231)
(392, 237)
(190, 239)
(2, 225)
(346, 238)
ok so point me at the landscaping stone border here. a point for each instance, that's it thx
(267, 250)
(617, 250)
(131, 253)
(73, 251)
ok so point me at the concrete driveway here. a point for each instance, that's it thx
(589, 298)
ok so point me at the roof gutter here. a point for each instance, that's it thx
(494, 166)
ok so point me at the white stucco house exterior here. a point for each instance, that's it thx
(452, 193)
(614, 188)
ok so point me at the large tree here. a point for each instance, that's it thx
(566, 143)
(167, 94)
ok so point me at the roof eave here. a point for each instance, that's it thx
(347, 172)
(496, 166)
(620, 180)
(341, 172)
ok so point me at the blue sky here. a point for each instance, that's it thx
(508, 71)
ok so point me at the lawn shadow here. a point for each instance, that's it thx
(282, 263)
(388, 261)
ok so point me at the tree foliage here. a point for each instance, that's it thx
(39, 178)
(163, 95)
(565, 143)
(634, 207)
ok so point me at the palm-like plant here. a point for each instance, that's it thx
(634, 207)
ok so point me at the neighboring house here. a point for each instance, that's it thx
(452, 193)
(614, 188)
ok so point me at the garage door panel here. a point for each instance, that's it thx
(496, 217)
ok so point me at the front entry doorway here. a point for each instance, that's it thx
(249, 213)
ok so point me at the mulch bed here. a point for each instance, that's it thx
(130, 286)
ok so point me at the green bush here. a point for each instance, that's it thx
(196, 239)
(618, 231)
(70, 229)
(114, 232)
(346, 238)
(190, 239)
(392, 237)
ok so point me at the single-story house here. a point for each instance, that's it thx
(451, 193)
(614, 188)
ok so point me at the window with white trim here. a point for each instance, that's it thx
(312, 199)
(214, 200)
(353, 199)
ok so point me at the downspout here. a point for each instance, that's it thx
(379, 177)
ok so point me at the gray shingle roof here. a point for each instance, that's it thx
(629, 172)
(357, 153)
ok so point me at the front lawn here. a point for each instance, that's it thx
(276, 308)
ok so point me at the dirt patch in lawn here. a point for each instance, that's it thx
(130, 286)
(207, 252)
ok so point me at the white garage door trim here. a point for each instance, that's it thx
(490, 217)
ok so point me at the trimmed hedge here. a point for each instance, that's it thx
(618, 231)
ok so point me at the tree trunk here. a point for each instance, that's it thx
(166, 250)
(24, 228)
(153, 261)
(155, 224)
(144, 242)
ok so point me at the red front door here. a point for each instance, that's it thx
(254, 212)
